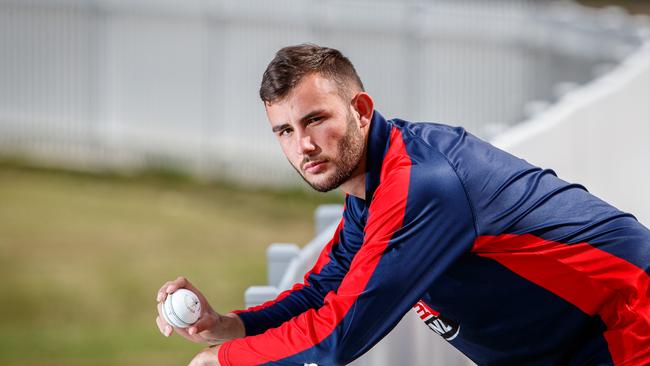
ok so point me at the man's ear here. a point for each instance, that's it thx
(363, 104)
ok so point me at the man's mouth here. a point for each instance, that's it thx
(313, 167)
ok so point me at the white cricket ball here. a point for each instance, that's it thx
(182, 308)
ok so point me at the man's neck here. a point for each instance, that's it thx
(356, 185)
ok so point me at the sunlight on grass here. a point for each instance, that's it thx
(81, 258)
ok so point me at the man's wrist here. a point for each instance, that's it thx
(229, 326)
(235, 325)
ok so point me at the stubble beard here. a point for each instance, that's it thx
(350, 151)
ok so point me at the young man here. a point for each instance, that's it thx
(507, 262)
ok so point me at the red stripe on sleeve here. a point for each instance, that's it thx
(385, 216)
(596, 282)
(324, 256)
(323, 259)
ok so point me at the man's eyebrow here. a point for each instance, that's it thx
(312, 114)
(280, 127)
(303, 118)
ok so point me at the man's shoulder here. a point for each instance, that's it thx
(434, 137)
(430, 167)
(427, 129)
(430, 143)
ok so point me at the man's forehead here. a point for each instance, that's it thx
(313, 93)
(313, 87)
(279, 114)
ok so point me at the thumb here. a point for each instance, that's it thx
(206, 322)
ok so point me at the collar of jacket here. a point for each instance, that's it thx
(378, 142)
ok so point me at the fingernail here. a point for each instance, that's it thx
(168, 330)
(159, 297)
(191, 331)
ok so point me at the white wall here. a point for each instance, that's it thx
(598, 136)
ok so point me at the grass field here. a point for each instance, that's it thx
(82, 256)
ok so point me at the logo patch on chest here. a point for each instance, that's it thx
(446, 328)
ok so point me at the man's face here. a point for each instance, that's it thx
(318, 132)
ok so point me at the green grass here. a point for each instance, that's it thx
(81, 257)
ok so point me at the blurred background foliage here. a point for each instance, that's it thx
(632, 6)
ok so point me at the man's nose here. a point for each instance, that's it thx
(306, 144)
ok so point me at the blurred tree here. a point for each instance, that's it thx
(632, 6)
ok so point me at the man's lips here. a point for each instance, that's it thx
(314, 166)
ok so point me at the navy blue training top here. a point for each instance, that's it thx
(507, 262)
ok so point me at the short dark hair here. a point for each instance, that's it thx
(291, 64)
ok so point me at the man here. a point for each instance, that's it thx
(507, 262)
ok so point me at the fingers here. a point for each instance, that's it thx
(205, 322)
(162, 293)
(180, 282)
(171, 286)
(164, 328)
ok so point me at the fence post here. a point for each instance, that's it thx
(278, 257)
(326, 215)
(256, 295)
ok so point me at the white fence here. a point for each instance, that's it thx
(174, 83)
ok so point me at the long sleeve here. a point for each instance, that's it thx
(418, 223)
(325, 276)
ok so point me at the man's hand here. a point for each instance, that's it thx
(211, 328)
(207, 357)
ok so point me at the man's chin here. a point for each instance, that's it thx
(321, 183)
(323, 188)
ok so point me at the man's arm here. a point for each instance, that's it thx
(419, 222)
(214, 328)
(325, 276)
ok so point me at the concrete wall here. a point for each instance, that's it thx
(598, 136)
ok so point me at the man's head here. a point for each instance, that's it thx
(319, 112)
(291, 64)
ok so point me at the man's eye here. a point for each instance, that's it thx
(284, 132)
(315, 119)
